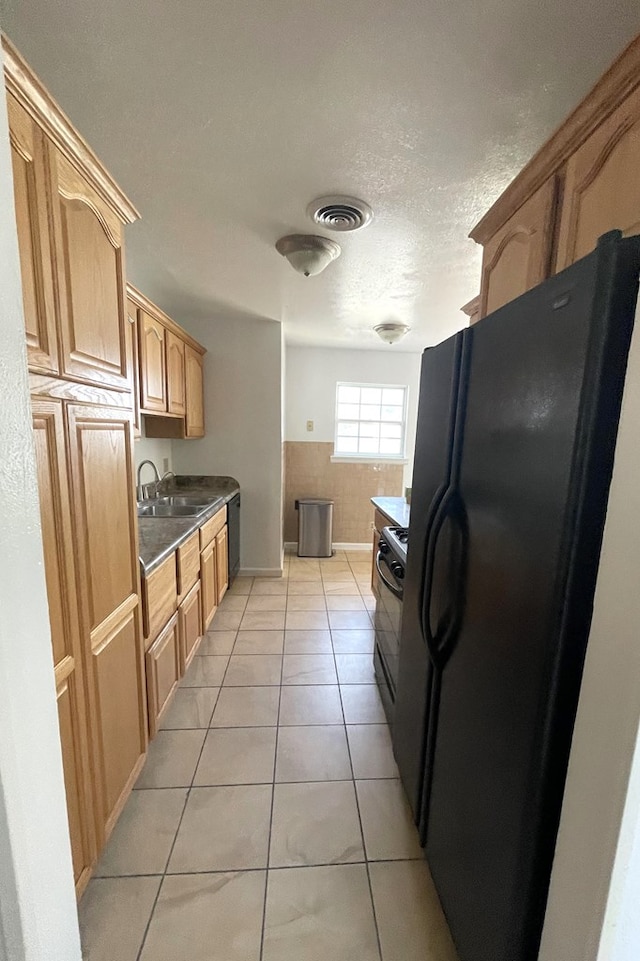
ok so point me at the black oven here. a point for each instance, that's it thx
(388, 589)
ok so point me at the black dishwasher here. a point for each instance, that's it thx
(233, 530)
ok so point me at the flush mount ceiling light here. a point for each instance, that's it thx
(392, 331)
(307, 254)
(340, 213)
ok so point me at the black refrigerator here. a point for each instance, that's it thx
(516, 433)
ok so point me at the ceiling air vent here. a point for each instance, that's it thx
(340, 213)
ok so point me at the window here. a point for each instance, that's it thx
(370, 421)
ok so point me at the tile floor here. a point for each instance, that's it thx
(268, 823)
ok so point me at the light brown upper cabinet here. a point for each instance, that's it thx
(90, 262)
(535, 229)
(518, 256)
(31, 181)
(134, 364)
(71, 216)
(170, 371)
(602, 186)
(153, 364)
(194, 426)
(175, 347)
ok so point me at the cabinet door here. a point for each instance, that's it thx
(153, 371)
(163, 672)
(209, 580)
(90, 270)
(175, 374)
(602, 186)
(31, 186)
(222, 563)
(518, 256)
(190, 622)
(102, 468)
(134, 363)
(48, 426)
(194, 426)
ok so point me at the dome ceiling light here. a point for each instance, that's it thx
(307, 254)
(392, 331)
(341, 213)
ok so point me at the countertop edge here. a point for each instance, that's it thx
(194, 525)
(395, 509)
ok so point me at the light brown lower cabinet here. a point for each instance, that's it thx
(209, 579)
(100, 454)
(190, 625)
(163, 672)
(84, 459)
(222, 562)
(55, 510)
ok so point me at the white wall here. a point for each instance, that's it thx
(311, 377)
(156, 449)
(620, 939)
(243, 422)
(590, 840)
(38, 919)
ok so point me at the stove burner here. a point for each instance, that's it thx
(396, 540)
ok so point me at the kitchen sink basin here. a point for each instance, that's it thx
(171, 510)
(186, 500)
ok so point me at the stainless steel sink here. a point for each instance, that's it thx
(171, 510)
(186, 500)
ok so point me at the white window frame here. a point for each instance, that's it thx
(369, 458)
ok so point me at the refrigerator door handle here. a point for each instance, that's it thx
(448, 633)
(441, 643)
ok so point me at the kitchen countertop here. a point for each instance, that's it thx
(396, 509)
(158, 537)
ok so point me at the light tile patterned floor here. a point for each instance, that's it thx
(269, 823)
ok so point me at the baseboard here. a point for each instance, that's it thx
(260, 572)
(293, 545)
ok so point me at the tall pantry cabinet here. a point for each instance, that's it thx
(70, 217)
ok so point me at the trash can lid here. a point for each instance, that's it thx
(313, 500)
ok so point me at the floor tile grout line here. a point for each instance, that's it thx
(273, 793)
(185, 787)
(279, 867)
(175, 837)
(364, 843)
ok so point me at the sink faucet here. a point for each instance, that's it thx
(139, 486)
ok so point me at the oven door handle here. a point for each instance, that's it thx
(392, 587)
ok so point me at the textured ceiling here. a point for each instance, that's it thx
(223, 120)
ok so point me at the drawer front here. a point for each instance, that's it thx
(160, 594)
(162, 662)
(212, 527)
(190, 622)
(188, 564)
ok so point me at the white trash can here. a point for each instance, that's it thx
(315, 527)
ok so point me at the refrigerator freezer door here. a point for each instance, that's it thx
(432, 465)
(543, 395)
